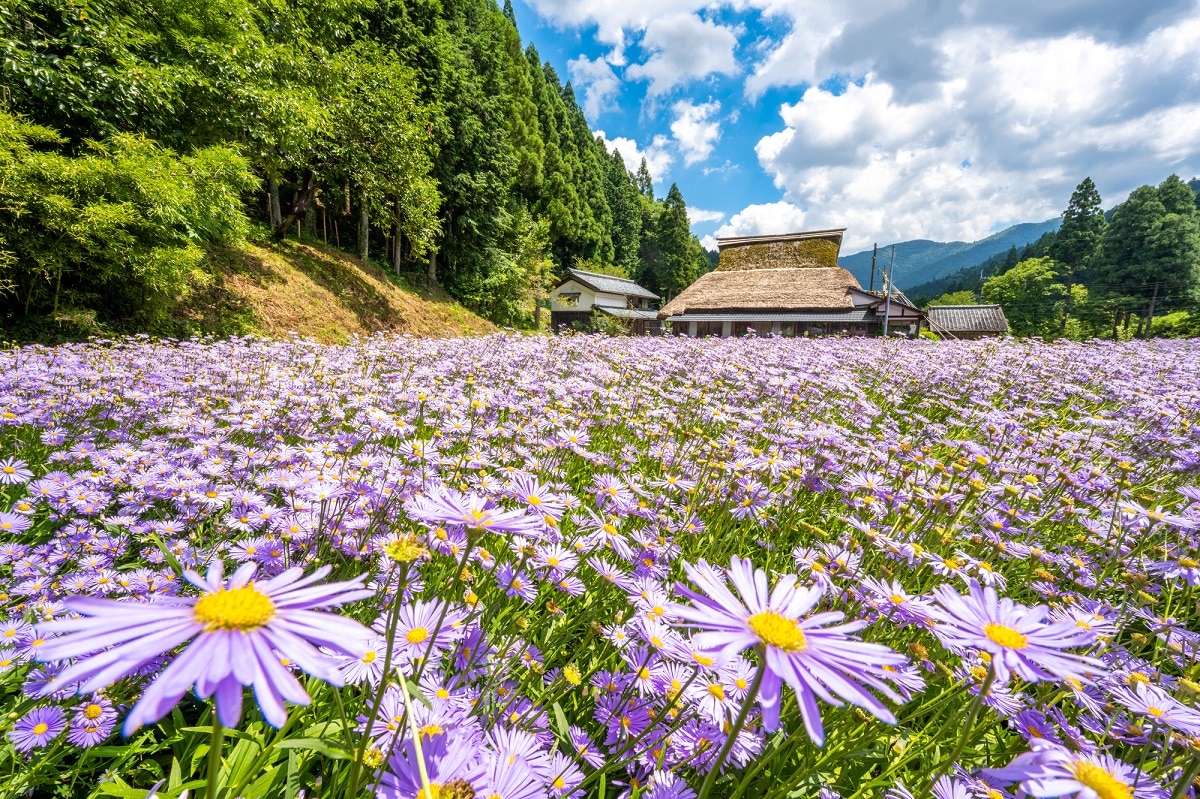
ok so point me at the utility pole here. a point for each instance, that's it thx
(887, 282)
(1150, 315)
(874, 251)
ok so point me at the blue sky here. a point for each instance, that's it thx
(897, 119)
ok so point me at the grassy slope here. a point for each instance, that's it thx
(275, 289)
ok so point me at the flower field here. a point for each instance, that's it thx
(533, 568)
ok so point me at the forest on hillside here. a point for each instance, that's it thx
(136, 135)
(1130, 272)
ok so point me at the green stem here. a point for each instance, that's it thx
(426, 788)
(215, 747)
(968, 728)
(738, 723)
(1186, 779)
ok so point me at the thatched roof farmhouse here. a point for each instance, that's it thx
(788, 285)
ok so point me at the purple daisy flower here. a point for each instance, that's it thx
(451, 507)
(1051, 770)
(92, 723)
(1018, 637)
(817, 660)
(451, 759)
(14, 471)
(38, 728)
(236, 628)
(14, 522)
(1159, 706)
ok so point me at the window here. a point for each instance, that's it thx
(568, 299)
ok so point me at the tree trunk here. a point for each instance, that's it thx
(433, 267)
(1150, 313)
(364, 231)
(274, 210)
(398, 250)
(301, 201)
(1067, 302)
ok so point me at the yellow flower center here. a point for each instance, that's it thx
(1005, 636)
(416, 635)
(244, 608)
(369, 657)
(92, 711)
(429, 730)
(778, 631)
(1099, 780)
(1137, 677)
(1157, 712)
(474, 518)
(717, 691)
(896, 599)
(40, 728)
(1189, 563)
(404, 550)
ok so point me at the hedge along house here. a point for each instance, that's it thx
(580, 294)
(789, 285)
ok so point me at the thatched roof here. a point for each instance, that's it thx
(757, 289)
(817, 248)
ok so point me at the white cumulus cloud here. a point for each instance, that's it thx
(908, 119)
(695, 129)
(658, 154)
(599, 83)
(763, 219)
(699, 215)
(683, 48)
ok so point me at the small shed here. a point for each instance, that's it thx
(967, 321)
(580, 294)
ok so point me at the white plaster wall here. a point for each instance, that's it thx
(587, 297)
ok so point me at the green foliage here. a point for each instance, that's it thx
(1083, 226)
(419, 121)
(1178, 324)
(379, 142)
(1030, 296)
(677, 258)
(955, 298)
(615, 270)
(609, 325)
(118, 230)
(1150, 252)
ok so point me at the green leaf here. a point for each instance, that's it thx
(331, 749)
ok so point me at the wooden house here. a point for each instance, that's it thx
(967, 321)
(580, 294)
(786, 285)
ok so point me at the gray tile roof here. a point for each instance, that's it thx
(627, 313)
(609, 284)
(953, 319)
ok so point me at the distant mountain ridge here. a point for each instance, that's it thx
(921, 261)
